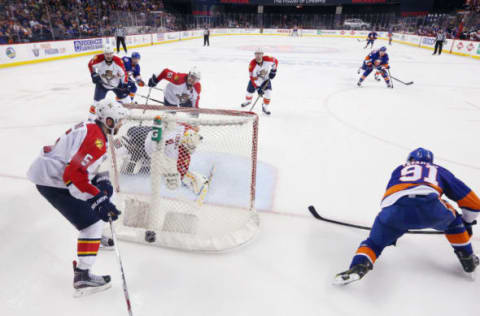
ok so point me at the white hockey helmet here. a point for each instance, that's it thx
(111, 113)
(108, 49)
(194, 72)
(258, 50)
(192, 138)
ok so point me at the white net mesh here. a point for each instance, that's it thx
(193, 187)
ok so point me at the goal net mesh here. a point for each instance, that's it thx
(210, 206)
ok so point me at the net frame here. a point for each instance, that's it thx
(225, 118)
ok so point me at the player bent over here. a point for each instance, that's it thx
(413, 201)
(108, 74)
(133, 71)
(182, 90)
(378, 60)
(181, 141)
(262, 70)
(371, 37)
(66, 175)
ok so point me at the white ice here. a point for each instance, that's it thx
(333, 145)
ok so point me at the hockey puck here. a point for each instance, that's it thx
(150, 236)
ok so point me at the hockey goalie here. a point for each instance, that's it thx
(171, 145)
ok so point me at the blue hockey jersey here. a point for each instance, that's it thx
(422, 178)
(133, 71)
(372, 35)
(375, 56)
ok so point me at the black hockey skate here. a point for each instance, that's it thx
(86, 283)
(469, 262)
(355, 273)
(246, 103)
(265, 109)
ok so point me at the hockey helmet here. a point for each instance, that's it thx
(421, 154)
(195, 73)
(111, 113)
(191, 138)
(258, 50)
(136, 55)
(383, 49)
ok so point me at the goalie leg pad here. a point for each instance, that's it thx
(195, 181)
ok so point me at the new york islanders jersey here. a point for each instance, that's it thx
(178, 92)
(133, 71)
(73, 161)
(259, 72)
(375, 58)
(421, 178)
(112, 73)
(372, 35)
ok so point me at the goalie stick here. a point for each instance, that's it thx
(201, 197)
(315, 214)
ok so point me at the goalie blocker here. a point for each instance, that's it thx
(163, 169)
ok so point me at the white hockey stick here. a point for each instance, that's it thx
(124, 281)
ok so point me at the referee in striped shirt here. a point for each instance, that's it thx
(120, 37)
(439, 40)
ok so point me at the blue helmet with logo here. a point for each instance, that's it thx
(421, 154)
(135, 55)
(383, 49)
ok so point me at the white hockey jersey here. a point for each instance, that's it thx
(112, 73)
(177, 92)
(73, 161)
(259, 72)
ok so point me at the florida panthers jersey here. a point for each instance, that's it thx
(420, 178)
(73, 161)
(112, 74)
(132, 70)
(375, 58)
(259, 72)
(178, 92)
(372, 35)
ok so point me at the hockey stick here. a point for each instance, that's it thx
(206, 187)
(149, 98)
(117, 251)
(315, 214)
(159, 89)
(264, 85)
(396, 79)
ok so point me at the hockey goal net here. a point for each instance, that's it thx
(185, 178)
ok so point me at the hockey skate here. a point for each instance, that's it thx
(377, 77)
(390, 85)
(106, 243)
(469, 262)
(246, 103)
(359, 83)
(86, 283)
(355, 273)
(265, 109)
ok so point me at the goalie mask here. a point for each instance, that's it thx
(191, 138)
(111, 113)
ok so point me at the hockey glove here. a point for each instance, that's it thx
(468, 226)
(123, 87)
(260, 91)
(272, 73)
(140, 83)
(96, 79)
(102, 182)
(105, 209)
(153, 81)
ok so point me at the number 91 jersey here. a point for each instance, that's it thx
(421, 178)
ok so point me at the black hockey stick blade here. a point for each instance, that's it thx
(315, 214)
(405, 83)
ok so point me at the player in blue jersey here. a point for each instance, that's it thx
(133, 70)
(371, 37)
(378, 60)
(412, 201)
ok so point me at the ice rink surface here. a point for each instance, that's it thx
(333, 145)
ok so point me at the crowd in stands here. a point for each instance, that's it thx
(40, 20)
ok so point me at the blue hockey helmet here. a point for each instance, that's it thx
(383, 49)
(421, 154)
(136, 55)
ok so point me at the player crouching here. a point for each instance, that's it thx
(413, 201)
(378, 60)
(66, 175)
(262, 70)
(182, 90)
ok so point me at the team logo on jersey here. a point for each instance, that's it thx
(184, 97)
(175, 78)
(108, 75)
(99, 143)
(262, 73)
